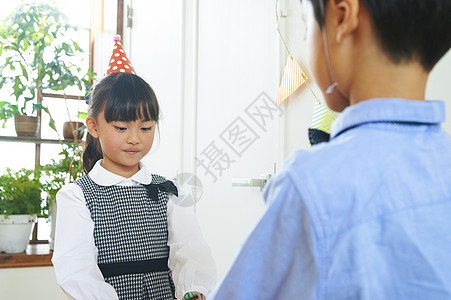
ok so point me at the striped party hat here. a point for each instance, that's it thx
(322, 119)
(119, 61)
(293, 77)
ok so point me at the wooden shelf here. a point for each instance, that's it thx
(32, 140)
(35, 256)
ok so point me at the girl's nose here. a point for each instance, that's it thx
(133, 138)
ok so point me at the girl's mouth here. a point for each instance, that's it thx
(131, 151)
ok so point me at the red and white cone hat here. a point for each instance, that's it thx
(119, 61)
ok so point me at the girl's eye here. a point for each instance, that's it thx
(120, 128)
(146, 128)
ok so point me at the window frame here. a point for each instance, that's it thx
(38, 252)
(96, 26)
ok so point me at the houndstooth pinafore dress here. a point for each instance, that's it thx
(131, 235)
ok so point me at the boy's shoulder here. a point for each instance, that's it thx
(371, 169)
(371, 132)
(322, 157)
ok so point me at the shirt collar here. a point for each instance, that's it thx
(389, 110)
(103, 177)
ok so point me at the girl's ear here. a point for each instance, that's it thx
(91, 124)
(346, 14)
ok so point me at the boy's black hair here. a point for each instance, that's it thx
(122, 97)
(407, 29)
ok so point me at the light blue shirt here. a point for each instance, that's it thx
(364, 216)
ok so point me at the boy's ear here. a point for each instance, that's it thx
(346, 14)
(91, 124)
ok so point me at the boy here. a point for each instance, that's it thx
(368, 214)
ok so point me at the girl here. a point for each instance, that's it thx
(119, 235)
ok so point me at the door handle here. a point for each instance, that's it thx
(252, 182)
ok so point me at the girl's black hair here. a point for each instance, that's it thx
(122, 97)
(407, 29)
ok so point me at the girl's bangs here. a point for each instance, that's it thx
(131, 99)
(129, 110)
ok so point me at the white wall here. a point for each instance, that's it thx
(299, 106)
(37, 283)
(439, 86)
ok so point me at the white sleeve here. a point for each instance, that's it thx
(190, 258)
(75, 254)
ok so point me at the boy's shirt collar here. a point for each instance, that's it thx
(103, 177)
(389, 110)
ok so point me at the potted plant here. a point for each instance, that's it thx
(37, 55)
(60, 172)
(73, 130)
(20, 203)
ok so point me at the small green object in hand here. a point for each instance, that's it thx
(190, 296)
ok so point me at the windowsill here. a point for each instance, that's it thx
(34, 140)
(35, 256)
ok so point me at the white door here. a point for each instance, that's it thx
(237, 120)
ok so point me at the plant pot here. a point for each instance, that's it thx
(15, 232)
(26, 126)
(70, 130)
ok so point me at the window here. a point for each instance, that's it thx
(88, 17)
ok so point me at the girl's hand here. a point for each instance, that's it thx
(193, 296)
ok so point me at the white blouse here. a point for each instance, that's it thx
(75, 255)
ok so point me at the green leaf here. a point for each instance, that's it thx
(52, 124)
(82, 115)
(38, 106)
(24, 71)
(20, 192)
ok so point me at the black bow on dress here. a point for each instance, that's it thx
(153, 188)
